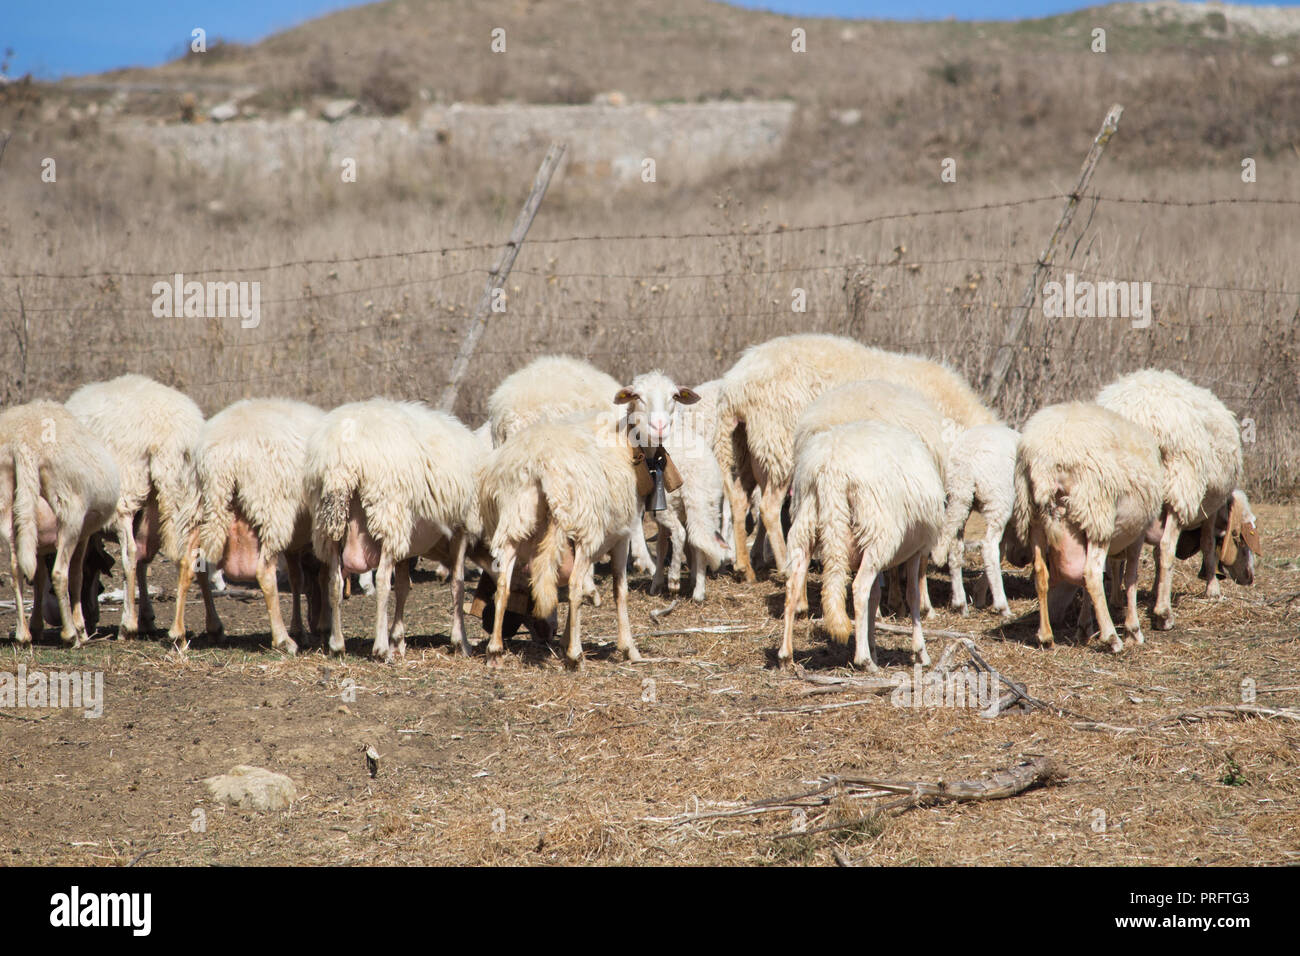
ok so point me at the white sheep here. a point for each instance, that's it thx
(1088, 484)
(657, 413)
(555, 496)
(151, 431)
(58, 486)
(702, 418)
(386, 481)
(251, 458)
(878, 400)
(771, 384)
(1200, 448)
(551, 387)
(868, 494)
(981, 476)
(545, 389)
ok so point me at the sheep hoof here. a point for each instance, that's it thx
(384, 654)
(287, 647)
(963, 609)
(1116, 645)
(1136, 635)
(572, 664)
(177, 636)
(1045, 640)
(698, 597)
(1004, 613)
(923, 658)
(495, 659)
(1164, 623)
(868, 664)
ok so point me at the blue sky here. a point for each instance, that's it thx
(52, 38)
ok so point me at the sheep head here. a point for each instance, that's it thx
(651, 400)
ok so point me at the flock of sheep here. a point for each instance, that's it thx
(880, 458)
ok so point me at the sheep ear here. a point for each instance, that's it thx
(1251, 537)
(686, 396)
(624, 396)
(1228, 550)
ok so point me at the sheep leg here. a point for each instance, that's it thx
(739, 502)
(625, 642)
(589, 589)
(459, 643)
(1093, 571)
(126, 543)
(1132, 623)
(401, 588)
(280, 639)
(770, 510)
(334, 566)
(184, 577)
(866, 603)
(505, 562)
(380, 650)
(697, 575)
(1211, 559)
(211, 620)
(40, 584)
(293, 563)
(956, 562)
(75, 569)
(1118, 568)
(640, 551)
(67, 545)
(677, 532)
(146, 615)
(1163, 610)
(992, 551)
(895, 598)
(573, 626)
(917, 599)
(662, 539)
(794, 586)
(927, 608)
(22, 634)
(1040, 586)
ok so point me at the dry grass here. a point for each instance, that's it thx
(943, 286)
(534, 764)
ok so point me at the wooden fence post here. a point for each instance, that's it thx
(478, 321)
(1002, 360)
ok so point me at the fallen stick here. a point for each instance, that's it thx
(1211, 712)
(715, 629)
(663, 612)
(830, 789)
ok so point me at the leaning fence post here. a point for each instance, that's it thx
(1002, 360)
(478, 321)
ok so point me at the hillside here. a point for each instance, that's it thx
(1202, 84)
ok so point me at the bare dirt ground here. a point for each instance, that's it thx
(535, 764)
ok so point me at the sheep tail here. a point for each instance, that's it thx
(546, 562)
(218, 515)
(27, 491)
(178, 505)
(832, 503)
(723, 441)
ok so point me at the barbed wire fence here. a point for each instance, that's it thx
(344, 327)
